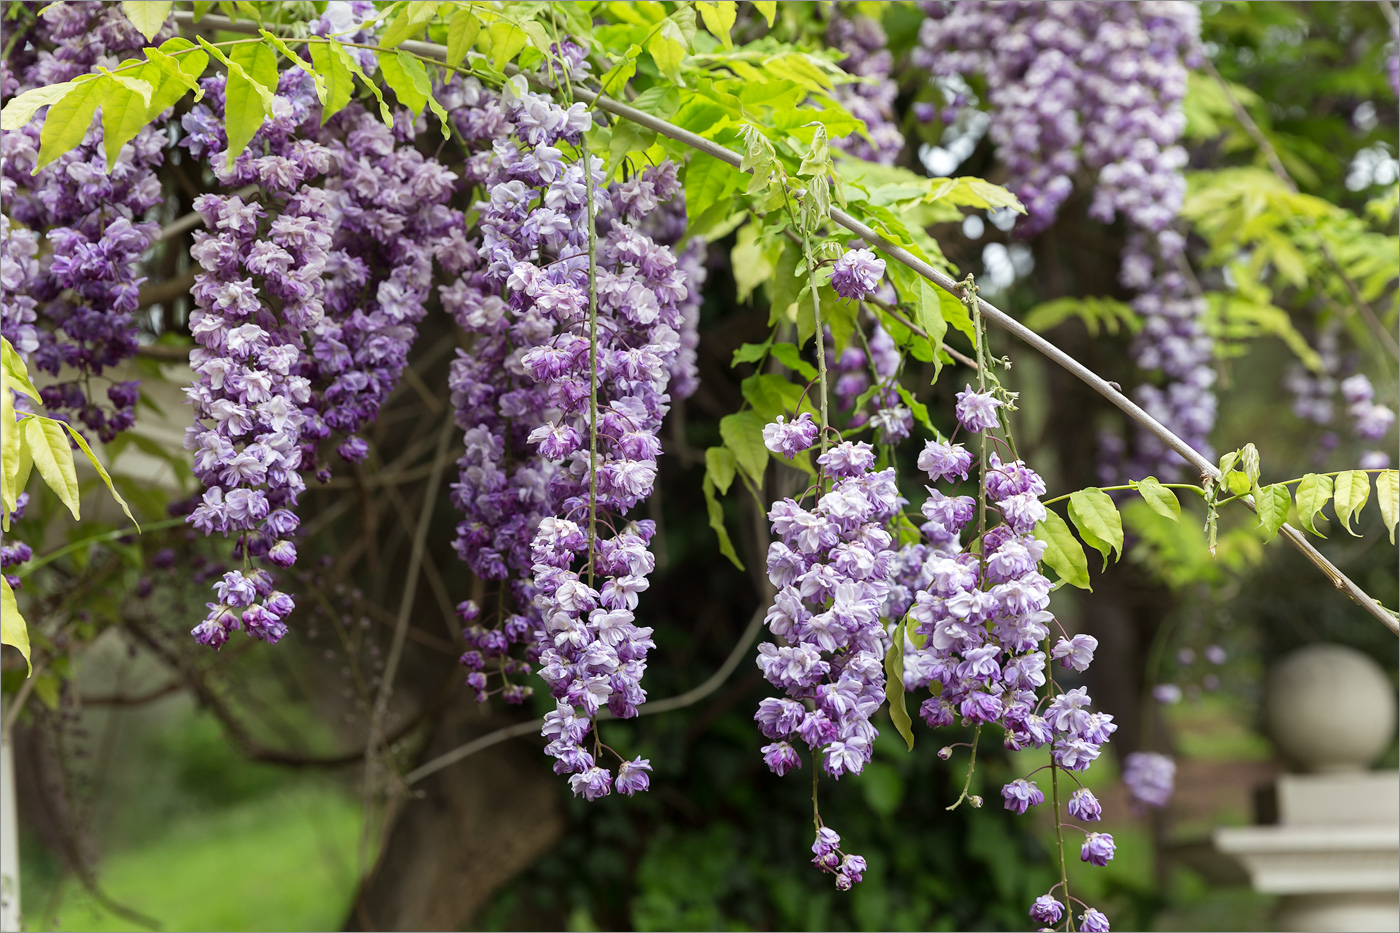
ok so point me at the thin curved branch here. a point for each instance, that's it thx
(1001, 319)
(533, 726)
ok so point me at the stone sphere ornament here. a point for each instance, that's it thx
(1329, 708)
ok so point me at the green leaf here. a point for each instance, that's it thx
(956, 313)
(148, 16)
(13, 631)
(743, 434)
(340, 84)
(751, 352)
(1249, 459)
(716, 513)
(348, 60)
(616, 77)
(769, 9)
(931, 319)
(627, 138)
(1159, 498)
(177, 75)
(504, 41)
(16, 374)
(748, 262)
(462, 31)
(123, 116)
(894, 685)
(20, 110)
(53, 458)
(1094, 514)
(1388, 498)
(1350, 492)
(1313, 493)
(413, 16)
(318, 82)
(720, 464)
(784, 287)
(667, 48)
(1271, 503)
(409, 79)
(68, 120)
(101, 471)
(790, 357)
(1063, 552)
(708, 186)
(719, 19)
(252, 79)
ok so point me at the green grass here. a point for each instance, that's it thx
(285, 861)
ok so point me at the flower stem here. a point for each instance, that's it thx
(592, 357)
(1060, 840)
(818, 336)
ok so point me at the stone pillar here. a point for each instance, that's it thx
(1334, 852)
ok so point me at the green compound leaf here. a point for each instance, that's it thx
(412, 17)
(1063, 552)
(1388, 498)
(340, 83)
(13, 631)
(348, 60)
(462, 31)
(1350, 492)
(147, 15)
(719, 466)
(20, 110)
(53, 458)
(719, 19)
(1313, 493)
(743, 434)
(894, 686)
(1159, 498)
(716, 513)
(101, 471)
(1271, 503)
(1096, 517)
(68, 120)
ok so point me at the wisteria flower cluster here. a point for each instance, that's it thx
(831, 564)
(531, 486)
(981, 626)
(1100, 86)
(73, 312)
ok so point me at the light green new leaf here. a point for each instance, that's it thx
(101, 471)
(53, 458)
(1350, 492)
(1388, 498)
(616, 77)
(176, 74)
(667, 49)
(13, 631)
(956, 313)
(462, 31)
(719, 19)
(716, 514)
(931, 319)
(1159, 498)
(353, 66)
(788, 355)
(340, 84)
(20, 110)
(743, 434)
(894, 686)
(720, 464)
(1063, 552)
(68, 120)
(252, 79)
(1313, 493)
(409, 80)
(412, 17)
(504, 41)
(769, 9)
(1094, 514)
(147, 15)
(1271, 503)
(748, 261)
(16, 374)
(318, 82)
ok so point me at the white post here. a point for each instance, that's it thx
(9, 839)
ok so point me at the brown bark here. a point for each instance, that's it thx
(465, 832)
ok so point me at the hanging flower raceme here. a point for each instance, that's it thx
(73, 312)
(545, 509)
(981, 616)
(259, 301)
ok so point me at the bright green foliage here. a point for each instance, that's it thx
(147, 15)
(1272, 504)
(1159, 498)
(894, 685)
(1314, 492)
(1063, 552)
(1098, 314)
(1096, 517)
(1350, 491)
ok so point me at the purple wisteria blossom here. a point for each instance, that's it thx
(1097, 849)
(1150, 778)
(791, 438)
(857, 273)
(977, 411)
